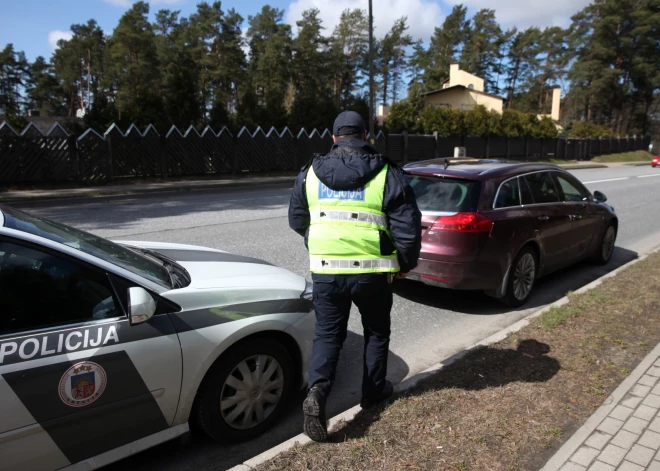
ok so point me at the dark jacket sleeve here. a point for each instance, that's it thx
(298, 206)
(404, 218)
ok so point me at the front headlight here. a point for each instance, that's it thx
(308, 294)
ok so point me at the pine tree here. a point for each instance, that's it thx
(392, 61)
(203, 31)
(599, 74)
(521, 62)
(483, 49)
(446, 46)
(230, 69)
(350, 45)
(43, 89)
(312, 75)
(270, 66)
(78, 65)
(553, 60)
(645, 68)
(132, 68)
(14, 73)
(178, 80)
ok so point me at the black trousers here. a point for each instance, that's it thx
(333, 294)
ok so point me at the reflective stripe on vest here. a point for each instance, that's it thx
(318, 264)
(349, 216)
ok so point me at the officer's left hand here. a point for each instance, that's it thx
(400, 275)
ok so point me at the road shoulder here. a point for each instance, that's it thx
(511, 401)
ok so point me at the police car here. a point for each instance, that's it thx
(108, 348)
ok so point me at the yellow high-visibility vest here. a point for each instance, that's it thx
(344, 231)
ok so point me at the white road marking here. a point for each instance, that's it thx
(647, 176)
(609, 180)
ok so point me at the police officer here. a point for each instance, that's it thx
(362, 228)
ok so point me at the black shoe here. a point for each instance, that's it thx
(367, 403)
(314, 411)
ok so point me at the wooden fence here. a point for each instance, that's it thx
(57, 156)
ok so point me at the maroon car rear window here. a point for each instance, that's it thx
(445, 194)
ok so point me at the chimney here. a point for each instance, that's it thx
(453, 74)
(383, 110)
(556, 100)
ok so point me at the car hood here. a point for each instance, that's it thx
(219, 277)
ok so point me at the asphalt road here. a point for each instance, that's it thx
(429, 324)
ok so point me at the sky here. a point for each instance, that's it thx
(34, 26)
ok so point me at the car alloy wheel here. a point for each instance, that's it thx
(251, 392)
(607, 247)
(523, 276)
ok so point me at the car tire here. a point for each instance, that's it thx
(225, 395)
(605, 249)
(522, 278)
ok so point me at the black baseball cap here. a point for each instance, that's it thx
(348, 122)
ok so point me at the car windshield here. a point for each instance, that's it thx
(450, 195)
(110, 252)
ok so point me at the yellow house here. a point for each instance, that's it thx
(463, 91)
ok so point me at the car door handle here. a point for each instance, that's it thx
(544, 218)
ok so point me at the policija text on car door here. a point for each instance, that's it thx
(76, 378)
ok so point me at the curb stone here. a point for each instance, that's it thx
(578, 438)
(409, 383)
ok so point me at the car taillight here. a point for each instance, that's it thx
(463, 222)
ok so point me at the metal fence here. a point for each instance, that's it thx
(57, 156)
(404, 148)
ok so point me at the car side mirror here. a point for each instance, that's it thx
(141, 306)
(600, 197)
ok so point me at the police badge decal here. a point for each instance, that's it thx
(82, 384)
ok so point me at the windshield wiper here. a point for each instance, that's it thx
(175, 270)
(152, 256)
(174, 279)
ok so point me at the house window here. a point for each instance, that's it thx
(467, 107)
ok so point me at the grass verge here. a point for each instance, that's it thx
(637, 156)
(511, 405)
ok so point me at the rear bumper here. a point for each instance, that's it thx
(474, 275)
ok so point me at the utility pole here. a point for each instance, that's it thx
(371, 72)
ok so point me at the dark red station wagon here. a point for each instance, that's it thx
(498, 226)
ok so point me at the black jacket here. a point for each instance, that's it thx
(351, 164)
